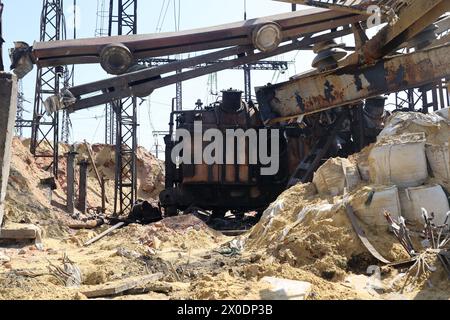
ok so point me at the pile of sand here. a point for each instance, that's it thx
(314, 233)
(311, 231)
(28, 201)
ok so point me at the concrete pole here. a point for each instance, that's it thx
(82, 201)
(8, 106)
(2, 67)
(71, 181)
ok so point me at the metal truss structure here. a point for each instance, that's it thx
(123, 21)
(45, 126)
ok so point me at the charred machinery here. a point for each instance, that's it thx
(236, 185)
(239, 186)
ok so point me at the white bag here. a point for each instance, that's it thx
(438, 158)
(335, 175)
(399, 161)
(432, 198)
(372, 212)
(444, 113)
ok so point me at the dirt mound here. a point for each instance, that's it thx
(314, 233)
(27, 200)
(30, 202)
(311, 232)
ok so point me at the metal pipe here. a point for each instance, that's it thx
(82, 195)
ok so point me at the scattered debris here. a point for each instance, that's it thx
(69, 274)
(159, 287)
(4, 258)
(104, 234)
(362, 236)
(116, 288)
(282, 289)
(401, 232)
(92, 224)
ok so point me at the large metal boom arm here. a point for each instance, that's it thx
(144, 82)
(251, 32)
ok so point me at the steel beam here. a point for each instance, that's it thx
(142, 83)
(125, 114)
(356, 6)
(293, 25)
(351, 84)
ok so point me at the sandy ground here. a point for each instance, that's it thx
(199, 263)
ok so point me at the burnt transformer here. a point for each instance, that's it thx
(238, 185)
(237, 180)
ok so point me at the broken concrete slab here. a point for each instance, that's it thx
(17, 234)
(283, 289)
(23, 232)
(8, 107)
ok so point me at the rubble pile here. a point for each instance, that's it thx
(405, 171)
(306, 243)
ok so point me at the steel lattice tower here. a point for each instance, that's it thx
(45, 127)
(20, 109)
(123, 21)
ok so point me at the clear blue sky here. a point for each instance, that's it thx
(21, 22)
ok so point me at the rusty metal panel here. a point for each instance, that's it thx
(348, 85)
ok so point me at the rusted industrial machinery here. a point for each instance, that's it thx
(334, 110)
(241, 187)
(221, 187)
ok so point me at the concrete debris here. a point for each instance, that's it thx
(282, 289)
(8, 107)
(4, 258)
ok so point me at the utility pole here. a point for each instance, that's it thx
(69, 80)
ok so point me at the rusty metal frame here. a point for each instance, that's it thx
(145, 81)
(355, 6)
(412, 19)
(344, 86)
(293, 25)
